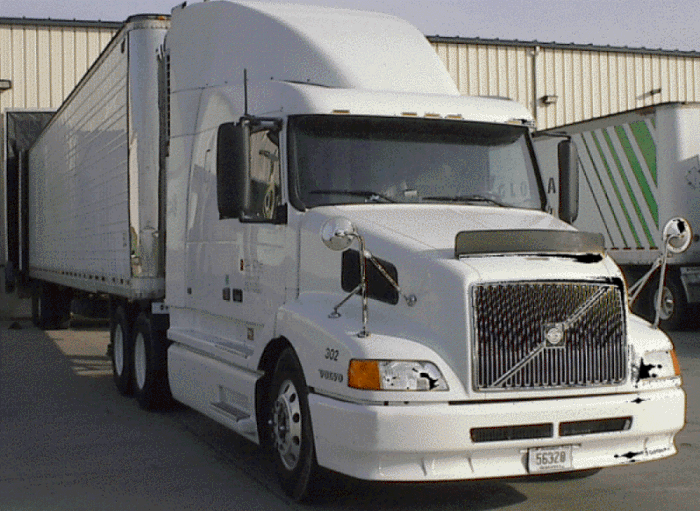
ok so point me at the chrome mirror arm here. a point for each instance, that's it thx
(662, 281)
(335, 313)
(363, 283)
(338, 234)
(637, 287)
(410, 299)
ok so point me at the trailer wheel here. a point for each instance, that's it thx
(673, 304)
(150, 367)
(290, 429)
(121, 348)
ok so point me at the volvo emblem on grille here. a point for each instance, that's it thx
(554, 334)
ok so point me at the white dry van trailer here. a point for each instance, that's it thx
(313, 239)
(639, 169)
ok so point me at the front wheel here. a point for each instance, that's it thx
(290, 428)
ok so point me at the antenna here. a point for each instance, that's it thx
(245, 92)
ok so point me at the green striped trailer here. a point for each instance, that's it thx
(637, 170)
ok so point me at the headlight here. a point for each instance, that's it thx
(395, 375)
(658, 365)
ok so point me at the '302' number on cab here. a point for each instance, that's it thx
(332, 354)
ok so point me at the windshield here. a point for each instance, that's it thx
(346, 160)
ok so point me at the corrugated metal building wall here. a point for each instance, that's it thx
(45, 59)
(565, 83)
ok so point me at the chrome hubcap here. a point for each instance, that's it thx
(286, 425)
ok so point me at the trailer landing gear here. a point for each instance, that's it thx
(50, 305)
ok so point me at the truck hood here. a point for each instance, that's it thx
(423, 238)
(436, 226)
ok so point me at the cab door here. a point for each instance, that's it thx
(252, 282)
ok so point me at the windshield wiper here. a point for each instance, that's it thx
(465, 198)
(367, 194)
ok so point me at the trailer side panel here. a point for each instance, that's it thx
(94, 173)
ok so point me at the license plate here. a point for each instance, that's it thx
(545, 459)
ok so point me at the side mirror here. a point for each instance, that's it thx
(677, 235)
(232, 169)
(568, 181)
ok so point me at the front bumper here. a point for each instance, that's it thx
(432, 442)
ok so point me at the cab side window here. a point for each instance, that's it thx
(248, 172)
(264, 174)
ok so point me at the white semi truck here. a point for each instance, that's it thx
(639, 169)
(308, 235)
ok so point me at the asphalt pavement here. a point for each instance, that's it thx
(69, 441)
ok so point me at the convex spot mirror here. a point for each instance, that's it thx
(677, 235)
(338, 233)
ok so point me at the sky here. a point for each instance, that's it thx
(651, 24)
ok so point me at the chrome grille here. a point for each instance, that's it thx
(516, 342)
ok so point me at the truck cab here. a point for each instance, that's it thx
(361, 272)
(307, 234)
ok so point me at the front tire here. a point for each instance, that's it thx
(290, 429)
